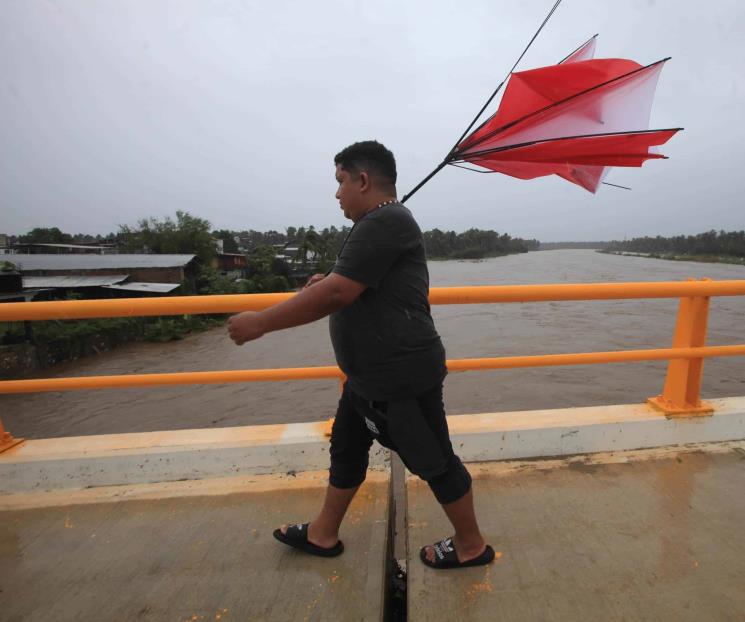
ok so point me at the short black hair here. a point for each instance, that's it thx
(369, 156)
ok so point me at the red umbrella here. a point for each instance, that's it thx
(574, 119)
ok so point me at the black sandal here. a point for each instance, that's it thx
(446, 557)
(297, 537)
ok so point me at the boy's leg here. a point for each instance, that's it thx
(350, 444)
(469, 543)
(452, 487)
(323, 531)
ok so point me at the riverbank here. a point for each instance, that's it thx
(474, 256)
(727, 259)
(28, 347)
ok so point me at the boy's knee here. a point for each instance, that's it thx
(453, 484)
(347, 474)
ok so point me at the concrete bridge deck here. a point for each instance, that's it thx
(166, 554)
(646, 536)
(101, 528)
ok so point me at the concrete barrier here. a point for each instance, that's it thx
(145, 458)
(568, 431)
(150, 457)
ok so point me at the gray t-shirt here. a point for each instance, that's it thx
(385, 341)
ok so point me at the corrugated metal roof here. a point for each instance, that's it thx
(98, 262)
(68, 246)
(156, 288)
(72, 281)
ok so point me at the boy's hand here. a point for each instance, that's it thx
(245, 326)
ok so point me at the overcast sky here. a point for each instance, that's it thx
(116, 110)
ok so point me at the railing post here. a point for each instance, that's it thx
(681, 395)
(6, 439)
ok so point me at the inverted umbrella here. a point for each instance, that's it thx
(575, 119)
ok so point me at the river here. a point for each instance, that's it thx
(467, 331)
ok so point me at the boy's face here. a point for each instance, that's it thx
(350, 193)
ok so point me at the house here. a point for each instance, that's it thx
(37, 248)
(232, 265)
(138, 274)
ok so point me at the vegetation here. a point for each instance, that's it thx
(187, 234)
(324, 245)
(41, 235)
(711, 246)
(474, 244)
(267, 273)
(229, 245)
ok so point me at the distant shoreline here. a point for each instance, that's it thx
(466, 257)
(726, 259)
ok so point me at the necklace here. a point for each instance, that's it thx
(384, 203)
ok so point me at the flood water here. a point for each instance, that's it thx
(468, 331)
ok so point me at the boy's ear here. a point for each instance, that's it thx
(365, 182)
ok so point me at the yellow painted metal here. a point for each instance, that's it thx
(177, 305)
(590, 358)
(136, 307)
(320, 373)
(153, 380)
(6, 439)
(584, 291)
(681, 394)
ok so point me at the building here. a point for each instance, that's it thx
(37, 248)
(135, 274)
(233, 265)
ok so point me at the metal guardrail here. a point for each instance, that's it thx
(178, 305)
(680, 396)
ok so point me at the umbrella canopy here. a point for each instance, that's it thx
(574, 119)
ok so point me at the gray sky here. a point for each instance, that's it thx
(233, 110)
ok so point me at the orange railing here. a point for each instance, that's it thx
(681, 393)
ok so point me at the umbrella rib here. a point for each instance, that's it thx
(509, 73)
(468, 168)
(512, 124)
(467, 157)
(475, 170)
(577, 50)
(442, 164)
(491, 116)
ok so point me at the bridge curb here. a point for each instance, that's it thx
(152, 457)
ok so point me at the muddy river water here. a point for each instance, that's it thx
(467, 331)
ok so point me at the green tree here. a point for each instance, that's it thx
(228, 240)
(266, 272)
(41, 235)
(187, 234)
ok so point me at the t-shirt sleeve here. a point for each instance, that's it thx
(370, 252)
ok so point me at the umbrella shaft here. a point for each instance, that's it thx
(440, 166)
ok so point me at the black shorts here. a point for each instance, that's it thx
(415, 428)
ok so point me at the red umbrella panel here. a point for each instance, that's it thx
(574, 120)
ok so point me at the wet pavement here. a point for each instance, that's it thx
(646, 535)
(193, 558)
(655, 540)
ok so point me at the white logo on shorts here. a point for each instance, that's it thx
(371, 426)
